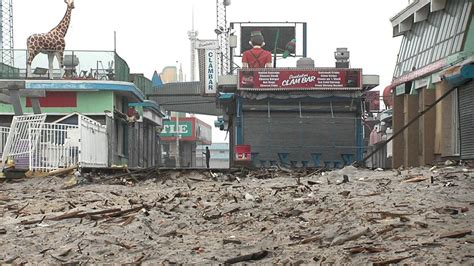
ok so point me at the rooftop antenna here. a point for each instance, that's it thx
(192, 35)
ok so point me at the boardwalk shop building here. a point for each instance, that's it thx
(112, 98)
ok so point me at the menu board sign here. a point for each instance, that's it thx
(288, 79)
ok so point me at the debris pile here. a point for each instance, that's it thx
(274, 215)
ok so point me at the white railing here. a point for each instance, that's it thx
(39, 146)
(17, 146)
(94, 145)
(4, 131)
(57, 146)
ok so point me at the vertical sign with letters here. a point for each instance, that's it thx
(210, 71)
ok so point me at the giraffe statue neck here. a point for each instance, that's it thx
(62, 27)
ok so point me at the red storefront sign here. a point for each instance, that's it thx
(243, 153)
(291, 79)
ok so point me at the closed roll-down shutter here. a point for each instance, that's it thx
(330, 136)
(466, 120)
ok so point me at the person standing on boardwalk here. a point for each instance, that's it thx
(207, 153)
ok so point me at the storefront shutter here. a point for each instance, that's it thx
(466, 120)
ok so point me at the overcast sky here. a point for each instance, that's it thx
(152, 34)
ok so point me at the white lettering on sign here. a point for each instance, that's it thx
(171, 129)
(207, 44)
(211, 73)
(298, 79)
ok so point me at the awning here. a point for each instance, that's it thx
(460, 73)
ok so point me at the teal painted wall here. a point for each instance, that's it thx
(469, 42)
(88, 102)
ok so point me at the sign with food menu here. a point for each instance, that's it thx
(273, 79)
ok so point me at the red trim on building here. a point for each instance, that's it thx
(56, 99)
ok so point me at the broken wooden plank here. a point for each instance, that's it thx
(233, 241)
(253, 256)
(196, 179)
(385, 214)
(120, 213)
(415, 179)
(75, 214)
(307, 240)
(456, 234)
(368, 249)
(33, 221)
(351, 236)
(97, 215)
(170, 233)
(128, 221)
(378, 262)
(61, 171)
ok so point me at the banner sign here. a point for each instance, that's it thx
(185, 129)
(189, 128)
(210, 72)
(292, 79)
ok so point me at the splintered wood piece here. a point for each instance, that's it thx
(389, 261)
(415, 179)
(311, 239)
(357, 250)
(129, 220)
(253, 256)
(351, 236)
(456, 234)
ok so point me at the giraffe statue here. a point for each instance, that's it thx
(51, 43)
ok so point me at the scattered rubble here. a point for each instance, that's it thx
(272, 215)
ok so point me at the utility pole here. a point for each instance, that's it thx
(178, 164)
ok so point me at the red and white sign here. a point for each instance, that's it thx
(290, 79)
(243, 153)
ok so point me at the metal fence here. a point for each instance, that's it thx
(17, 146)
(38, 146)
(4, 131)
(78, 64)
(57, 146)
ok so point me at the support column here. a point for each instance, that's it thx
(444, 116)
(411, 133)
(239, 121)
(110, 124)
(427, 127)
(398, 123)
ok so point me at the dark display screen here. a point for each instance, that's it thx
(286, 34)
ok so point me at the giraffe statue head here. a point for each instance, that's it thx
(51, 43)
(70, 3)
